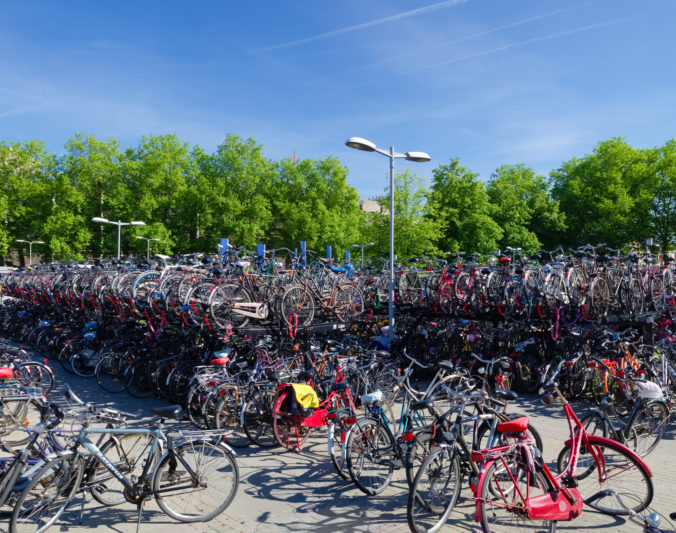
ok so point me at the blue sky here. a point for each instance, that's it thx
(488, 81)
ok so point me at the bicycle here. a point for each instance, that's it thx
(517, 489)
(191, 465)
(437, 484)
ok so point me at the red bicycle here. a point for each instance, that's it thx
(516, 491)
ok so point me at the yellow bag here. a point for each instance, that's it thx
(305, 395)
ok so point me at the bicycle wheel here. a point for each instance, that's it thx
(370, 456)
(599, 293)
(594, 424)
(127, 453)
(198, 482)
(435, 491)
(503, 487)
(645, 429)
(288, 428)
(46, 496)
(84, 363)
(299, 302)
(137, 380)
(416, 452)
(222, 305)
(35, 375)
(110, 373)
(337, 438)
(348, 302)
(258, 419)
(611, 469)
(17, 413)
(229, 417)
(196, 398)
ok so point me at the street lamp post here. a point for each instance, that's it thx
(362, 246)
(418, 157)
(148, 241)
(119, 225)
(30, 249)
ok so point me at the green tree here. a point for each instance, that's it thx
(416, 226)
(523, 208)
(607, 195)
(463, 210)
(24, 175)
(234, 185)
(663, 216)
(313, 202)
(95, 168)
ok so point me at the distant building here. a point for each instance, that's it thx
(370, 206)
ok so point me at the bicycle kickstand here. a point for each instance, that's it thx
(139, 508)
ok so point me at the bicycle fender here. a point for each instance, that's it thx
(600, 441)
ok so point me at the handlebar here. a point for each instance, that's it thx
(414, 361)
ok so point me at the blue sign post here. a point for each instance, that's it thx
(223, 249)
(260, 256)
(328, 252)
(303, 247)
(347, 257)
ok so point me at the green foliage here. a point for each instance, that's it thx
(463, 211)
(523, 209)
(312, 201)
(663, 207)
(190, 199)
(416, 228)
(607, 195)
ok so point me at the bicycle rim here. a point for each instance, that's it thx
(201, 491)
(434, 492)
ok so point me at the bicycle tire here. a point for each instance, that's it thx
(229, 417)
(289, 432)
(81, 364)
(205, 497)
(221, 302)
(137, 380)
(258, 420)
(497, 486)
(125, 452)
(646, 427)
(336, 441)
(370, 456)
(46, 496)
(299, 302)
(16, 413)
(109, 373)
(37, 375)
(621, 473)
(434, 491)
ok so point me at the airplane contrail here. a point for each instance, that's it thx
(357, 27)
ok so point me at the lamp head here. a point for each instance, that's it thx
(361, 144)
(137, 223)
(100, 219)
(417, 157)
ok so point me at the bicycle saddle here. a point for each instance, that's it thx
(504, 394)
(517, 425)
(427, 403)
(170, 411)
(342, 385)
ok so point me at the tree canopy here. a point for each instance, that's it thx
(190, 198)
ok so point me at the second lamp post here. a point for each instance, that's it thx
(119, 225)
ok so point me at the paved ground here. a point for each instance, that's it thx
(288, 492)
